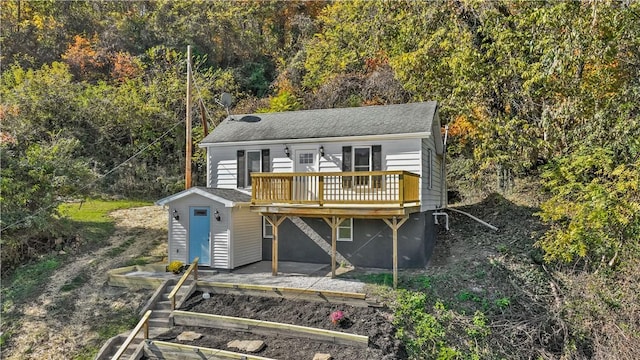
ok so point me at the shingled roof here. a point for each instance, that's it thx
(326, 123)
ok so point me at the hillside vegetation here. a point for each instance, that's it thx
(93, 103)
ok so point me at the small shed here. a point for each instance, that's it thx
(215, 225)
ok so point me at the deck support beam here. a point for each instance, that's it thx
(395, 223)
(275, 221)
(333, 222)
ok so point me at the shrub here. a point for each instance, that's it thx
(175, 266)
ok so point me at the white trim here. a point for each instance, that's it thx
(230, 248)
(211, 238)
(338, 238)
(247, 176)
(430, 160)
(307, 150)
(353, 156)
(197, 191)
(266, 223)
(416, 135)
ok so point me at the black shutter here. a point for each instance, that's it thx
(377, 165)
(346, 165)
(241, 169)
(265, 160)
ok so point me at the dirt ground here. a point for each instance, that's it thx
(60, 324)
(372, 322)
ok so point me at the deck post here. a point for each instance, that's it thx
(275, 221)
(333, 222)
(320, 190)
(394, 224)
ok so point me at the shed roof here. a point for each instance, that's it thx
(326, 123)
(228, 197)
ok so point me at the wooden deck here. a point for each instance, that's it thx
(336, 196)
(363, 194)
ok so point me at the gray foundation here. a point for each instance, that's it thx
(372, 244)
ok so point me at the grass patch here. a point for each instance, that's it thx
(92, 219)
(140, 260)
(113, 252)
(27, 280)
(75, 283)
(88, 219)
(119, 322)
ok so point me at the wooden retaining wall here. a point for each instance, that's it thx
(173, 351)
(187, 318)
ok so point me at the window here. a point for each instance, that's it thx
(200, 212)
(267, 229)
(305, 158)
(253, 165)
(345, 230)
(362, 162)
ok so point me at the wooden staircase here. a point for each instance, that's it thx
(157, 318)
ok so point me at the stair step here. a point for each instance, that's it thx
(163, 305)
(161, 314)
(159, 322)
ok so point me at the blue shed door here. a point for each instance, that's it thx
(200, 235)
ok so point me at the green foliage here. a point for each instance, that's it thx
(594, 209)
(284, 101)
(75, 283)
(503, 303)
(92, 218)
(25, 282)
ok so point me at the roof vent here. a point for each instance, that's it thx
(250, 118)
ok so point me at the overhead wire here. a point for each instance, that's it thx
(99, 178)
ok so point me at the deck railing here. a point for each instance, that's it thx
(143, 324)
(343, 188)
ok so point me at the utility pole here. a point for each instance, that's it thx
(187, 171)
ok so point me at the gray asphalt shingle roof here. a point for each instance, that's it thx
(326, 123)
(229, 194)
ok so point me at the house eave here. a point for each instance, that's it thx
(169, 199)
(402, 136)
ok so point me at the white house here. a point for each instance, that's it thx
(354, 185)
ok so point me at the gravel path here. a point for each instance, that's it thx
(302, 282)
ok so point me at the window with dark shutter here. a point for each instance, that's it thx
(265, 161)
(346, 166)
(241, 169)
(377, 165)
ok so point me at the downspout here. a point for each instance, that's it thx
(443, 185)
(443, 175)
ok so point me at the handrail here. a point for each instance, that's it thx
(144, 322)
(394, 187)
(192, 268)
(333, 173)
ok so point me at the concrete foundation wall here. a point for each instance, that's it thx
(372, 244)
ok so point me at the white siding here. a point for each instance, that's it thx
(177, 238)
(179, 230)
(224, 164)
(431, 198)
(402, 155)
(247, 237)
(220, 246)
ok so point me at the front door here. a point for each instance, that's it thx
(200, 235)
(305, 188)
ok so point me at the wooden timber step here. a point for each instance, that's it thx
(159, 323)
(187, 318)
(338, 297)
(172, 351)
(162, 305)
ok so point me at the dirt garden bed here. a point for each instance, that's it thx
(376, 323)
